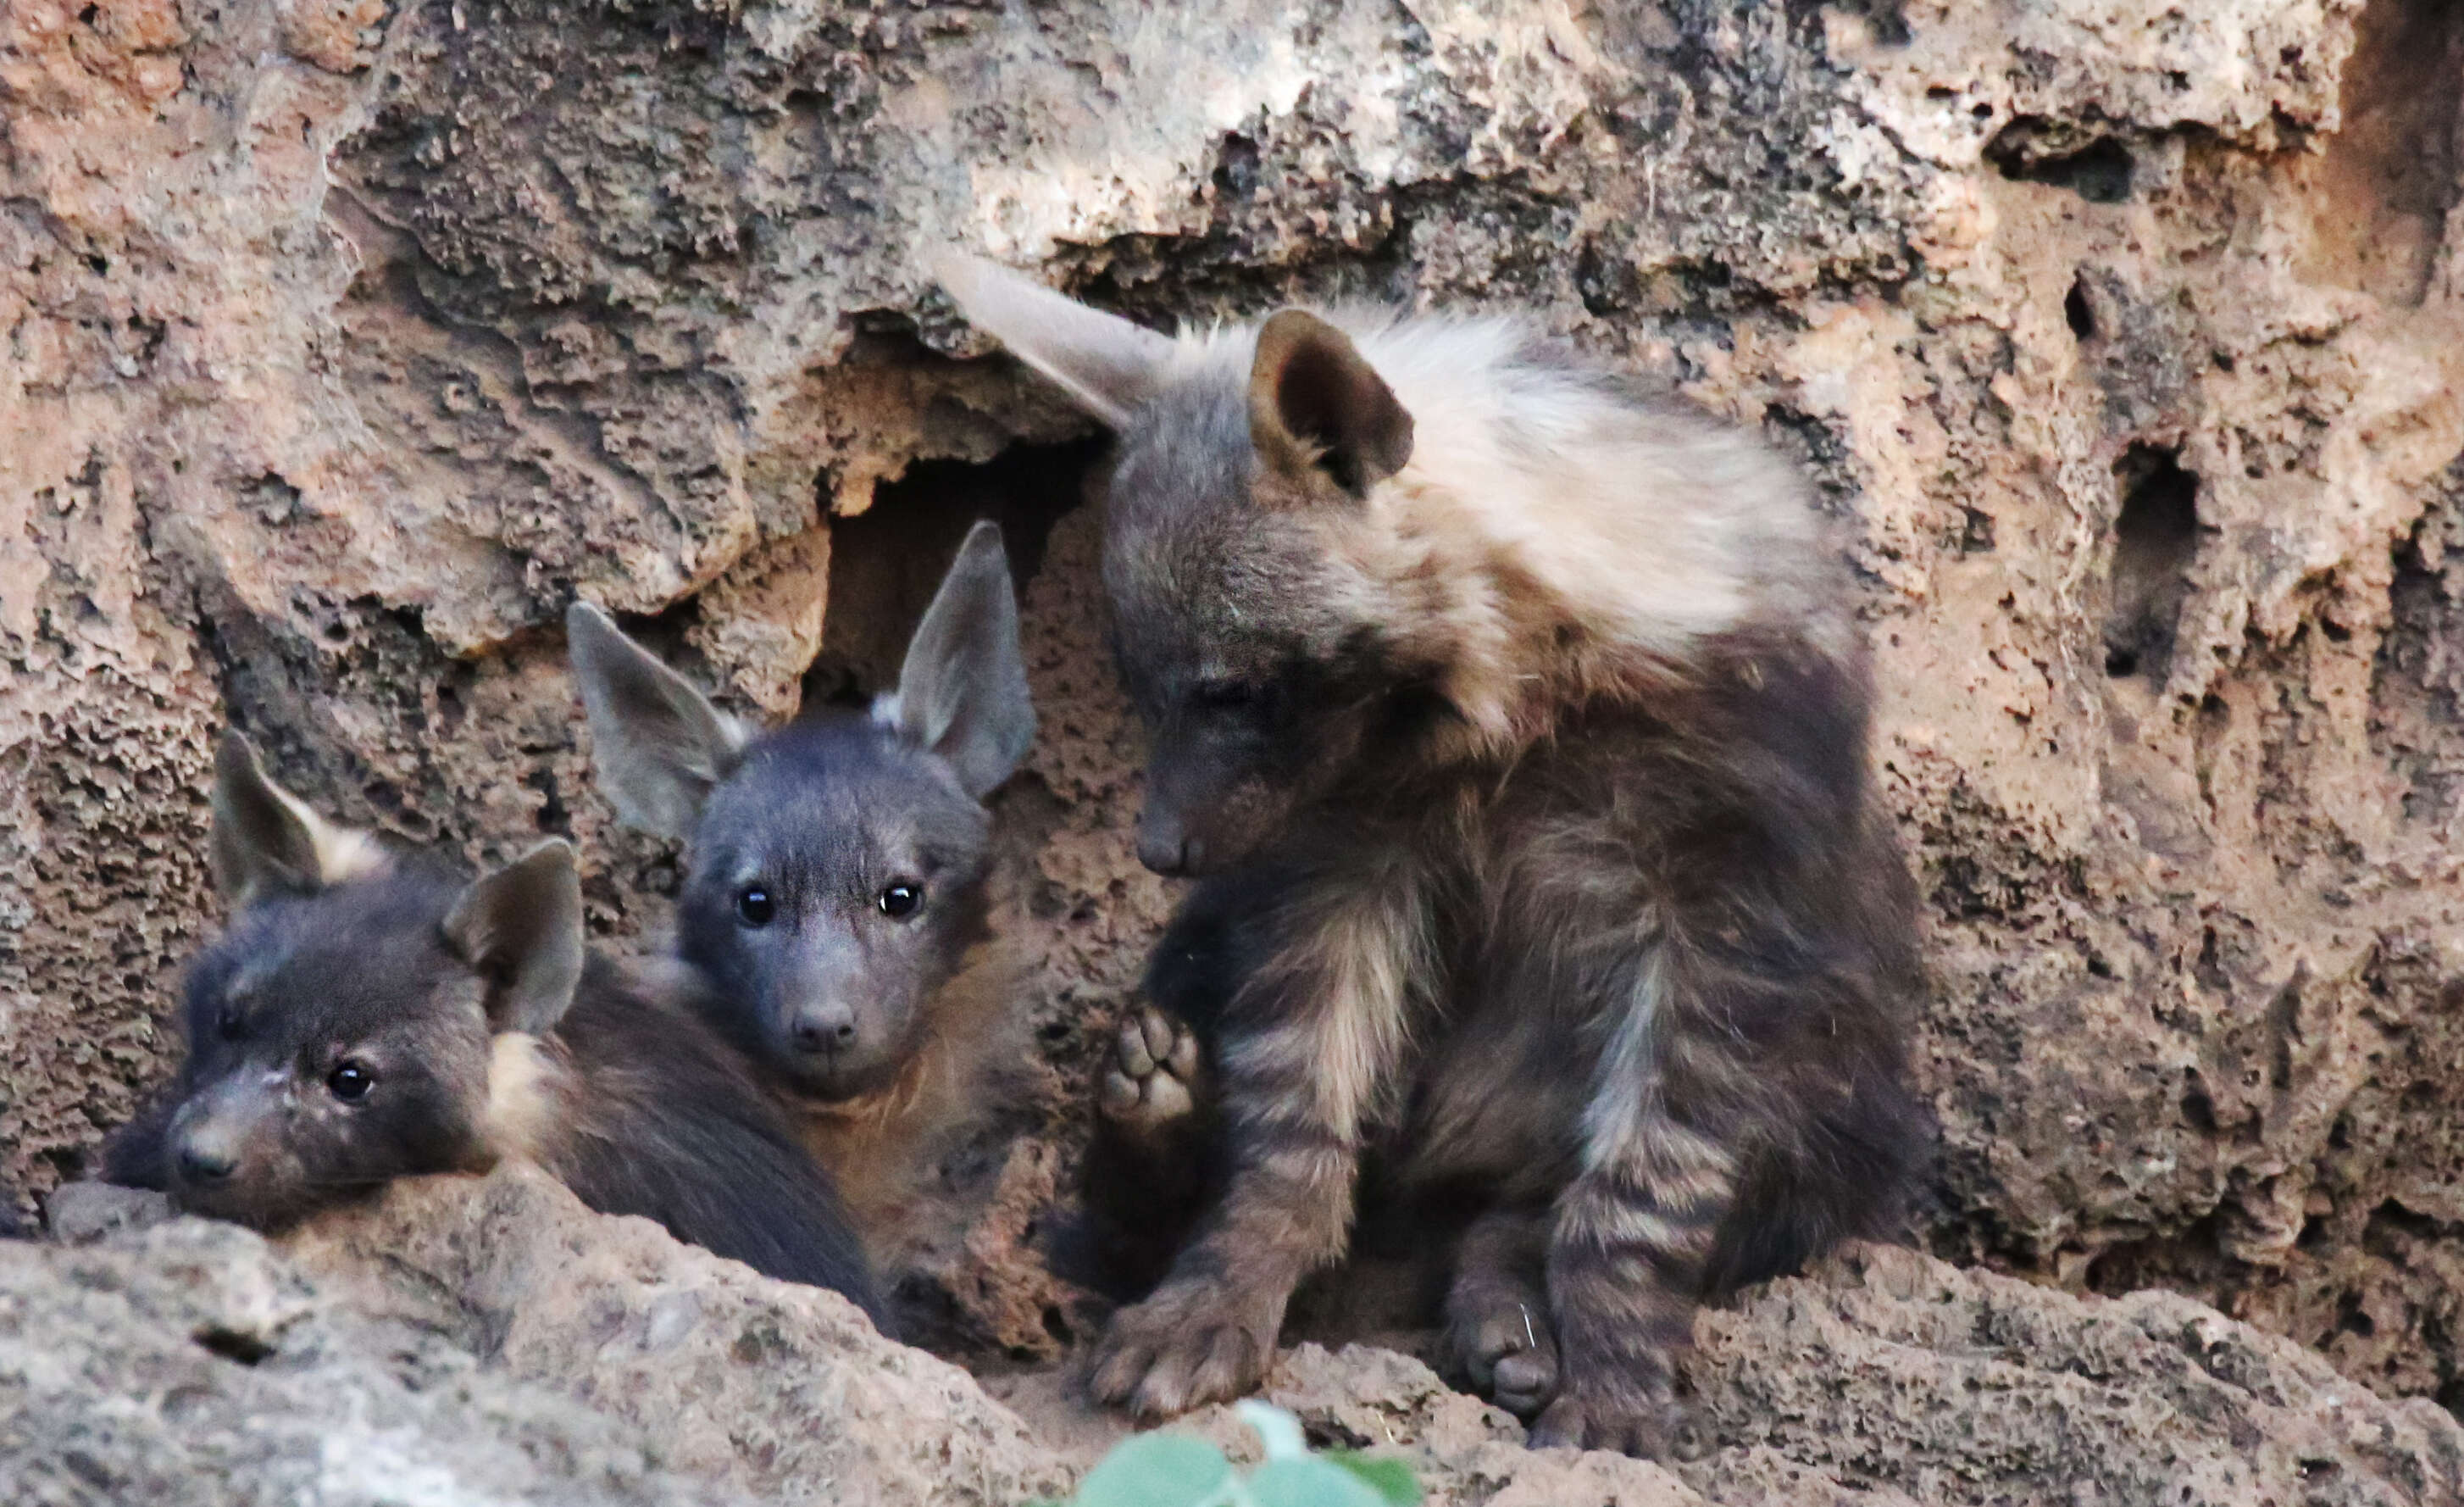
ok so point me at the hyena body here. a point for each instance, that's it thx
(1516, 725)
(366, 1016)
(835, 902)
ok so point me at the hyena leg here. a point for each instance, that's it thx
(1306, 1046)
(1156, 1161)
(1499, 1331)
(1634, 1234)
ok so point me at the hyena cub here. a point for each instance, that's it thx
(835, 899)
(1516, 724)
(367, 1016)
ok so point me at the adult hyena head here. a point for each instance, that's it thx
(1254, 630)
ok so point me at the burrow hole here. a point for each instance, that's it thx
(887, 561)
(2156, 538)
(2078, 311)
(2033, 150)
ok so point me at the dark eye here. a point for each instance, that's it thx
(351, 1081)
(753, 906)
(230, 1025)
(901, 900)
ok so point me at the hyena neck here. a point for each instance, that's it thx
(881, 1146)
(545, 1097)
(531, 1085)
(1556, 540)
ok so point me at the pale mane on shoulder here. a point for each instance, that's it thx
(1556, 535)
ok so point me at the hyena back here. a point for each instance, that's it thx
(367, 1016)
(1515, 725)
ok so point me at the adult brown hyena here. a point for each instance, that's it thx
(1514, 724)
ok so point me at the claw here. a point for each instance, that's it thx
(1643, 1427)
(1178, 1350)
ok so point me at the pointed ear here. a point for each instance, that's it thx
(1315, 403)
(962, 692)
(1108, 365)
(657, 743)
(267, 841)
(521, 929)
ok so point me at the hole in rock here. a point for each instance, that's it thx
(2077, 312)
(2155, 538)
(233, 1345)
(886, 562)
(2031, 150)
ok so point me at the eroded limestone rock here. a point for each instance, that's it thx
(347, 343)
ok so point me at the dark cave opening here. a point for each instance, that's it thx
(2034, 150)
(886, 562)
(2156, 537)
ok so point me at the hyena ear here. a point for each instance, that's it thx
(658, 743)
(962, 692)
(1314, 404)
(267, 841)
(1108, 365)
(521, 929)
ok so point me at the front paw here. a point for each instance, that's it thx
(1153, 1084)
(1505, 1350)
(1647, 1422)
(1190, 1344)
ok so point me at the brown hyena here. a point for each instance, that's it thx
(1515, 724)
(836, 896)
(368, 1015)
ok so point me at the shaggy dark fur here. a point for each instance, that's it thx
(364, 1018)
(1516, 729)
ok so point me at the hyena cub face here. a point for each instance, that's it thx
(837, 880)
(1248, 627)
(837, 866)
(339, 1031)
(333, 1044)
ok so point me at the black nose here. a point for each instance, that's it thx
(1167, 850)
(829, 1029)
(202, 1165)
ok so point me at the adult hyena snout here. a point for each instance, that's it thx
(1165, 845)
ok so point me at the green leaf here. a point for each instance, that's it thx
(1158, 1470)
(1390, 1479)
(1278, 1430)
(1309, 1482)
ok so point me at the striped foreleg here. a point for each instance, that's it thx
(1307, 1048)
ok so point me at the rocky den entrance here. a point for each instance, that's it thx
(348, 344)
